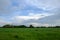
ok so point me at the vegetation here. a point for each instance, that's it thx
(31, 26)
(22, 32)
(29, 33)
(23, 26)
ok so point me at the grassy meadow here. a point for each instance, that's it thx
(29, 33)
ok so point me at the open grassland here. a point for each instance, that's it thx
(29, 33)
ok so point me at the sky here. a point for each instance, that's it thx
(26, 12)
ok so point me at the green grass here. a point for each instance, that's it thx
(29, 33)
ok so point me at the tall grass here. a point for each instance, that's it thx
(29, 33)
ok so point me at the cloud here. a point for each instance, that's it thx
(46, 4)
(30, 11)
(52, 20)
(3, 22)
(10, 6)
(32, 16)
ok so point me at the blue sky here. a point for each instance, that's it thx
(26, 12)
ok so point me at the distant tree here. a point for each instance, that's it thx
(7, 26)
(43, 27)
(20, 26)
(37, 27)
(31, 26)
(57, 26)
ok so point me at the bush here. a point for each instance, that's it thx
(7, 26)
(31, 26)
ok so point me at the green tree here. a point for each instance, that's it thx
(20, 26)
(7, 26)
(31, 26)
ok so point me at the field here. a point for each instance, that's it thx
(29, 33)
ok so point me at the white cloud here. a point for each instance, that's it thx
(45, 4)
(6, 7)
(32, 16)
(2, 22)
(36, 24)
(27, 20)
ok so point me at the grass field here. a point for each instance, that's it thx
(29, 33)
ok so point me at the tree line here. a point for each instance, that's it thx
(17, 26)
(23, 26)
